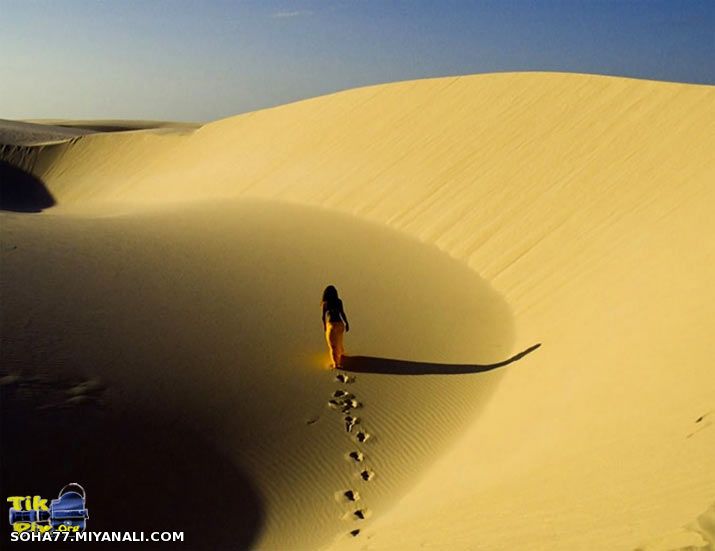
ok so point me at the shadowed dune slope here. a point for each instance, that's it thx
(206, 321)
(577, 212)
(20, 133)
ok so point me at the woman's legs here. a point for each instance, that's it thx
(334, 336)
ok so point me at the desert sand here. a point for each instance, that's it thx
(526, 260)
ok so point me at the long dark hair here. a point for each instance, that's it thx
(330, 296)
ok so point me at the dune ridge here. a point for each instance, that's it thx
(573, 210)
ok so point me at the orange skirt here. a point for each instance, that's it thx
(334, 332)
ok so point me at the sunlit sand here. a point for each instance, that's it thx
(527, 262)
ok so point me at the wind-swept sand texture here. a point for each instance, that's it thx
(27, 133)
(113, 125)
(166, 310)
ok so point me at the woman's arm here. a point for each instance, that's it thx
(323, 316)
(342, 314)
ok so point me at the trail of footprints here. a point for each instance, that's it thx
(346, 403)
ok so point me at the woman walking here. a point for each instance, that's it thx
(335, 323)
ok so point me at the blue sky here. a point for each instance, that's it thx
(202, 60)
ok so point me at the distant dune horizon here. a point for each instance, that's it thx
(138, 123)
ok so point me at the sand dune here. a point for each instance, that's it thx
(113, 125)
(167, 303)
(19, 133)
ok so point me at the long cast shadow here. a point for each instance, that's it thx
(141, 473)
(21, 191)
(389, 366)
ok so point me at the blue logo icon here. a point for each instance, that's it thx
(68, 510)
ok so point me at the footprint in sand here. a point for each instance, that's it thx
(345, 402)
(44, 392)
(345, 405)
(350, 422)
(80, 400)
(367, 475)
(349, 405)
(85, 388)
(356, 456)
(703, 421)
(346, 496)
(361, 514)
(86, 392)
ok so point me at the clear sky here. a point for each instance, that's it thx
(207, 59)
